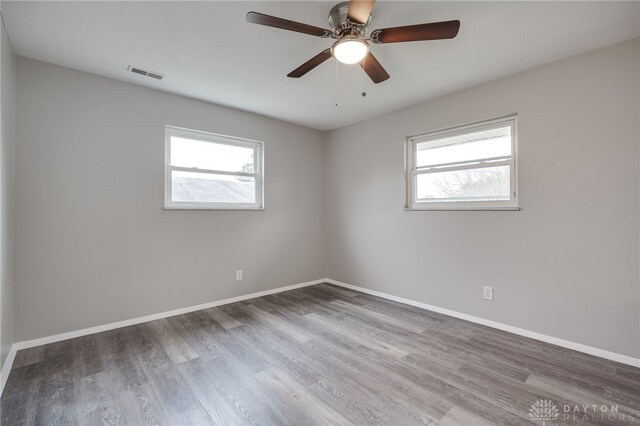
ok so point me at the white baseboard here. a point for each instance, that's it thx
(613, 356)
(6, 368)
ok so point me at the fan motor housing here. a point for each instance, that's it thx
(340, 24)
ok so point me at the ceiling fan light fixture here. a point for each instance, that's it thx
(350, 50)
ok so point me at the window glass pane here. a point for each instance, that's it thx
(193, 187)
(211, 155)
(466, 147)
(485, 184)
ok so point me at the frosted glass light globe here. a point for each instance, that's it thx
(349, 50)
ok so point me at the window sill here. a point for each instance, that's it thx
(219, 209)
(451, 208)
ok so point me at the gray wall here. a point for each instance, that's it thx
(567, 264)
(7, 133)
(93, 244)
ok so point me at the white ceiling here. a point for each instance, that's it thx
(208, 51)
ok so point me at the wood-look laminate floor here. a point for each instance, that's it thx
(317, 355)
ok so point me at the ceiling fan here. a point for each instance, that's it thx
(349, 21)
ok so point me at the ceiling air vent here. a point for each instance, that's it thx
(145, 72)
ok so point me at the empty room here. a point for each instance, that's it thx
(320, 213)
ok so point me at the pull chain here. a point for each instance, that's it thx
(337, 84)
(364, 93)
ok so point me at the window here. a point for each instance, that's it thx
(470, 167)
(208, 171)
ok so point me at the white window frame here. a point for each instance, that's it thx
(412, 171)
(258, 173)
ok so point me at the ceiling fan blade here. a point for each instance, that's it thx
(374, 70)
(432, 31)
(285, 24)
(310, 64)
(359, 10)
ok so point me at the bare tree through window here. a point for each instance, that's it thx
(475, 183)
(246, 168)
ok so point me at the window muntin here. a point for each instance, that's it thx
(467, 167)
(209, 171)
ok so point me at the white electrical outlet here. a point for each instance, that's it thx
(239, 275)
(488, 293)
